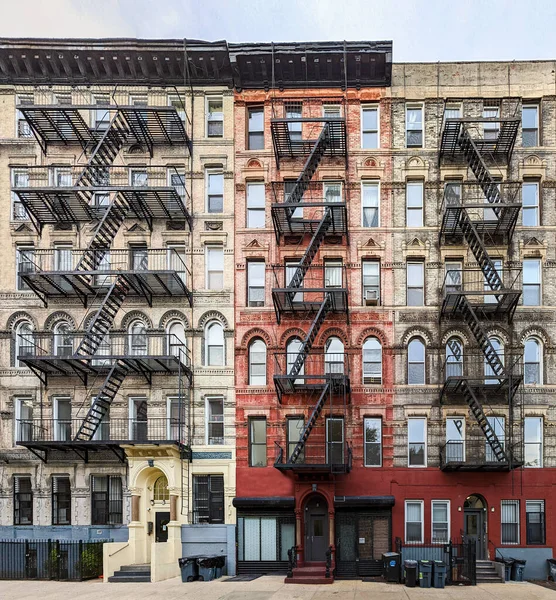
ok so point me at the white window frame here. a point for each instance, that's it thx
(541, 442)
(422, 504)
(539, 283)
(56, 414)
(14, 197)
(208, 174)
(379, 443)
(407, 282)
(332, 107)
(415, 106)
(370, 183)
(19, 116)
(412, 362)
(364, 262)
(453, 106)
(491, 127)
(540, 348)
(208, 421)
(409, 210)
(531, 207)
(209, 247)
(255, 210)
(18, 402)
(409, 442)
(251, 265)
(447, 503)
(502, 541)
(376, 108)
(363, 361)
(25, 247)
(262, 383)
(206, 334)
(208, 99)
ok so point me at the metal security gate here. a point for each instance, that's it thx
(361, 539)
(50, 559)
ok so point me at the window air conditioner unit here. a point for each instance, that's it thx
(371, 297)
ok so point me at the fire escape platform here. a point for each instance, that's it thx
(286, 223)
(491, 389)
(489, 229)
(307, 301)
(301, 383)
(288, 146)
(503, 303)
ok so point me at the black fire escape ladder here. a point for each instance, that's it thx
(101, 404)
(326, 391)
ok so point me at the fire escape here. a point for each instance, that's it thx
(107, 195)
(314, 211)
(481, 212)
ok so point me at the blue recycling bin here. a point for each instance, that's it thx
(518, 569)
(210, 567)
(189, 568)
(439, 577)
(425, 573)
(507, 562)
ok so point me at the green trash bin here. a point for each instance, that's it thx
(425, 573)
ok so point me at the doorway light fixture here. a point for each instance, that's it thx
(492, 509)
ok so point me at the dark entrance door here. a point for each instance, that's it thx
(474, 529)
(316, 530)
(161, 529)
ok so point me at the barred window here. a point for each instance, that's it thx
(23, 501)
(534, 511)
(510, 522)
(106, 500)
(208, 499)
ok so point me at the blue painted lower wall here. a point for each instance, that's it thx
(536, 567)
(87, 532)
(211, 539)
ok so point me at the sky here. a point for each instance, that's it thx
(425, 30)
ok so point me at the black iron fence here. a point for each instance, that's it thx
(51, 559)
(459, 555)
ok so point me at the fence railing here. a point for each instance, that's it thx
(473, 366)
(471, 196)
(337, 455)
(329, 365)
(472, 283)
(51, 559)
(317, 192)
(476, 451)
(139, 429)
(331, 276)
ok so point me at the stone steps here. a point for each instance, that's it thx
(132, 574)
(310, 574)
(486, 573)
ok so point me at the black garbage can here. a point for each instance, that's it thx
(189, 568)
(439, 577)
(507, 562)
(425, 573)
(410, 573)
(518, 569)
(551, 569)
(392, 566)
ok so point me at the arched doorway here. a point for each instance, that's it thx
(475, 523)
(316, 529)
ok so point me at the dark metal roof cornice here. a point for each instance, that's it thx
(32, 61)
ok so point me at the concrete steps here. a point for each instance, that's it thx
(132, 574)
(310, 574)
(486, 573)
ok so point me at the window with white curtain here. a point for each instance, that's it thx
(414, 126)
(138, 338)
(414, 522)
(333, 273)
(332, 191)
(370, 203)
(440, 513)
(176, 338)
(369, 127)
(532, 359)
(452, 110)
(372, 361)
(257, 363)
(510, 522)
(214, 340)
(533, 441)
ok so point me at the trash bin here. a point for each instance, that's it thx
(220, 563)
(507, 562)
(392, 566)
(210, 566)
(551, 569)
(440, 570)
(410, 573)
(425, 573)
(189, 568)
(518, 569)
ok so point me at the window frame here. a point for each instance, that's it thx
(424, 442)
(19, 118)
(208, 99)
(448, 523)
(114, 499)
(255, 303)
(209, 421)
(415, 106)
(528, 540)
(364, 362)
(421, 503)
(534, 208)
(252, 211)
(378, 443)
(370, 184)
(251, 363)
(540, 350)
(517, 523)
(410, 210)
(208, 174)
(539, 443)
(14, 198)
(56, 497)
(535, 284)
(537, 129)
(208, 270)
(424, 362)
(214, 497)
(376, 108)
(208, 327)
(291, 444)
(253, 444)
(260, 132)
(27, 509)
(409, 287)
(19, 401)
(462, 456)
(331, 444)
(364, 262)
(30, 248)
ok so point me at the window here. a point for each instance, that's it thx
(373, 442)
(257, 363)
(215, 117)
(510, 522)
(255, 283)
(531, 282)
(23, 128)
(176, 261)
(24, 419)
(61, 501)
(293, 348)
(23, 501)
(257, 442)
(414, 526)
(138, 258)
(255, 206)
(265, 538)
(62, 419)
(106, 500)
(414, 126)
(138, 178)
(530, 199)
(208, 499)
(452, 192)
(369, 127)
(142, 101)
(214, 345)
(215, 420)
(138, 415)
(161, 493)
(414, 203)
(534, 514)
(63, 257)
(491, 129)
(176, 179)
(453, 277)
(20, 179)
(530, 125)
(289, 187)
(335, 441)
(331, 111)
(454, 358)
(215, 192)
(440, 513)
(176, 339)
(24, 342)
(296, 425)
(333, 356)
(177, 103)
(138, 341)
(61, 177)
(100, 117)
(333, 271)
(25, 258)
(370, 203)
(415, 283)
(416, 362)
(455, 440)
(417, 442)
(533, 441)
(498, 425)
(372, 361)
(256, 128)
(532, 358)
(371, 282)
(332, 191)
(489, 297)
(293, 111)
(452, 110)
(175, 410)
(215, 267)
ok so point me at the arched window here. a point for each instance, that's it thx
(63, 339)
(372, 361)
(24, 342)
(214, 339)
(161, 493)
(293, 347)
(532, 358)
(334, 356)
(490, 374)
(257, 363)
(416, 362)
(454, 358)
(137, 338)
(176, 338)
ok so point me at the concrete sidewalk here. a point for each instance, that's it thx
(264, 588)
